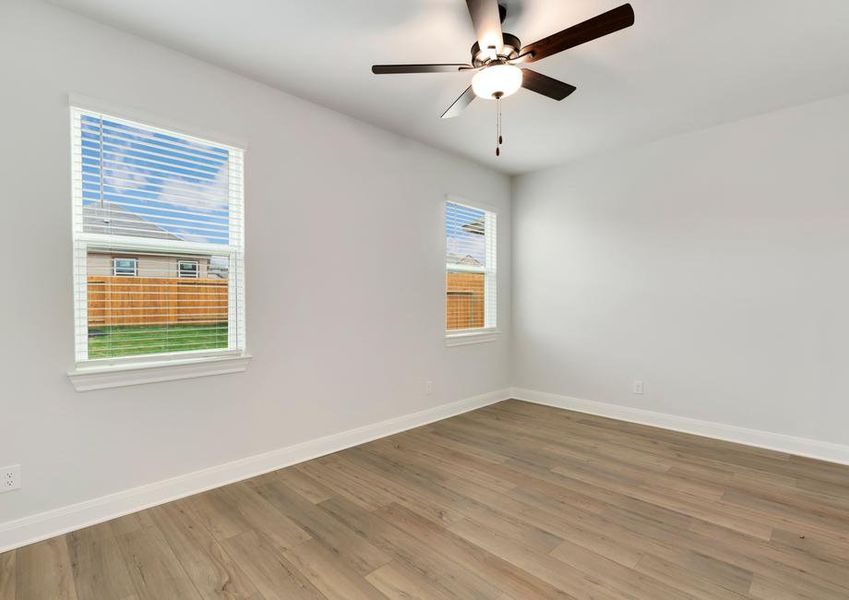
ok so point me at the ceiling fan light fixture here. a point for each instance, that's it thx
(497, 81)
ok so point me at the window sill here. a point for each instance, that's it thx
(85, 378)
(482, 336)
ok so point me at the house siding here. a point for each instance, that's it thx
(100, 264)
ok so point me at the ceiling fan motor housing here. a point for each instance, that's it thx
(511, 49)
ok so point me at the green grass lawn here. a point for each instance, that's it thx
(109, 342)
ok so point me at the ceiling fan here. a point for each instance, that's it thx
(496, 56)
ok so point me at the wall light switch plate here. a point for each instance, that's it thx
(639, 387)
(10, 478)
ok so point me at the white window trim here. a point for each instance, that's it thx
(130, 113)
(483, 335)
(464, 337)
(135, 370)
(196, 263)
(156, 368)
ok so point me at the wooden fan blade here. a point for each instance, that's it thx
(393, 69)
(545, 85)
(487, 21)
(459, 104)
(591, 29)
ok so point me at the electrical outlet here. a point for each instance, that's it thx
(10, 478)
(428, 387)
(639, 387)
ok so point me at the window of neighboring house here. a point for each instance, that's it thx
(155, 195)
(470, 269)
(188, 268)
(125, 267)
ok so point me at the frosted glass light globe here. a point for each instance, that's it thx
(497, 79)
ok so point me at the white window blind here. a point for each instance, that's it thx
(470, 268)
(158, 242)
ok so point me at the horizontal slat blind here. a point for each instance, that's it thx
(470, 277)
(146, 201)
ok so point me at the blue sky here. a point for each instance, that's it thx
(460, 241)
(177, 184)
(181, 185)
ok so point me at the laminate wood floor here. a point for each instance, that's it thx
(510, 502)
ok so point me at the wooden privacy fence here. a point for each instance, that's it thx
(115, 301)
(465, 302)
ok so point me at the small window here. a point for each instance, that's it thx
(125, 267)
(470, 269)
(187, 268)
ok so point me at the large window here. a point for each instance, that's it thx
(158, 242)
(470, 269)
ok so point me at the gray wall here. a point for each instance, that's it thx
(335, 210)
(714, 266)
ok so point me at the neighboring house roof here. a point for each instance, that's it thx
(218, 271)
(476, 227)
(458, 259)
(110, 217)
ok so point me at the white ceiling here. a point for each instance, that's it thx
(684, 65)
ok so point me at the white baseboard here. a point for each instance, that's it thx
(837, 453)
(34, 528)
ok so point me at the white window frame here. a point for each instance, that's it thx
(196, 263)
(92, 374)
(115, 272)
(489, 332)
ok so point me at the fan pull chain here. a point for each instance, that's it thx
(499, 139)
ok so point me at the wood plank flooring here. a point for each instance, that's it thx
(510, 502)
